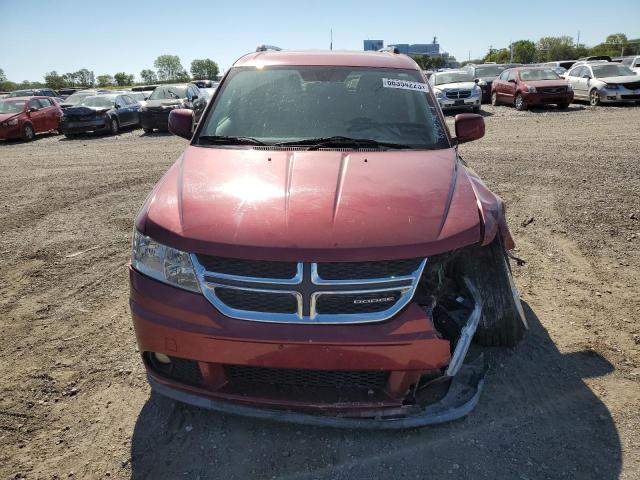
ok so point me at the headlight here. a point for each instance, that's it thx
(439, 93)
(531, 89)
(482, 83)
(569, 87)
(611, 87)
(163, 263)
(12, 123)
(476, 90)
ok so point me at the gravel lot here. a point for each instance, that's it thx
(565, 403)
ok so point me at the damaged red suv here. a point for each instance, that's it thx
(320, 253)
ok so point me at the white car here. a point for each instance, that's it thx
(633, 63)
(604, 82)
(456, 89)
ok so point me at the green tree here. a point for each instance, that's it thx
(169, 67)
(84, 77)
(550, 49)
(53, 80)
(123, 79)
(148, 76)
(105, 80)
(501, 55)
(524, 51)
(204, 69)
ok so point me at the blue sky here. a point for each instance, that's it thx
(37, 36)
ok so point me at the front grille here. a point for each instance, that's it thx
(632, 85)
(180, 369)
(553, 90)
(256, 301)
(248, 268)
(336, 379)
(459, 94)
(356, 303)
(288, 292)
(368, 270)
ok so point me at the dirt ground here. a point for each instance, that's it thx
(565, 403)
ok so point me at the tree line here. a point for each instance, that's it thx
(168, 68)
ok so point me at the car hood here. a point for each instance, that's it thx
(456, 86)
(488, 79)
(313, 205)
(163, 102)
(82, 110)
(546, 83)
(7, 116)
(621, 79)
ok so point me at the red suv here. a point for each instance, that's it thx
(24, 117)
(529, 86)
(319, 253)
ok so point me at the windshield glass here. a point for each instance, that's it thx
(136, 95)
(453, 77)
(77, 98)
(611, 70)
(538, 74)
(288, 104)
(105, 101)
(12, 106)
(21, 93)
(165, 92)
(489, 70)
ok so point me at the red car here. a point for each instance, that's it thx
(529, 86)
(320, 253)
(25, 117)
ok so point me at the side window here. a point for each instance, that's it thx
(574, 72)
(130, 99)
(45, 102)
(120, 102)
(511, 75)
(504, 75)
(35, 104)
(586, 71)
(196, 92)
(126, 99)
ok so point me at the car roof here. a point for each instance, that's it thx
(336, 58)
(26, 97)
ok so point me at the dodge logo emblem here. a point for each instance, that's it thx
(359, 301)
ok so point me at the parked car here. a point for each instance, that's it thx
(633, 63)
(455, 90)
(140, 97)
(208, 93)
(106, 113)
(203, 83)
(279, 268)
(164, 99)
(604, 82)
(144, 88)
(25, 117)
(485, 74)
(529, 86)
(77, 97)
(34, 92)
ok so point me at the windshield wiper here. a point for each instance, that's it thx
(229, 140)
(316, 143)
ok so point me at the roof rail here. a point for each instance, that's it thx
(264, 48)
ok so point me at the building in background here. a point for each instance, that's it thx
(373, 45)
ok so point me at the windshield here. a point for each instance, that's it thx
(77, 97)
(538, 74)
(169, 92)
(289, 104)
(137, 95)
(12, 106)
(21, 93)
(611, 70)
(453, 77)
(105, 101)
(489, 70)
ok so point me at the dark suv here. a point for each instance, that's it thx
(164, 99)
(485, 74)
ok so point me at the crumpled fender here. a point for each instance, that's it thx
(492, 213)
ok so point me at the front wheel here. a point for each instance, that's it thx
(494, 99)
(594, 98)
(503, 321)
(563, 106)
(520, 105)
(113, 126)
(27, 133)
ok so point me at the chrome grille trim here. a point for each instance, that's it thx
(307, 286)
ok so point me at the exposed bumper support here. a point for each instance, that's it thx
(467, 333)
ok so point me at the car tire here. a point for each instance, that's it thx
(594, 98)
(502, 322)
(114, 126)
(475, 109)
(28, 133)
(519, 102)
(494, 99)
(563, 106)
(147, 130)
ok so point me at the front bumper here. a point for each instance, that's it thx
(70, 126)
(619, 95)
(539, 98)
(7, 133)
(185, 325)
(458, 104)
(158, 119)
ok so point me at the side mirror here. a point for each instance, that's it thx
(469, 127)
(181, 122)
(587, 76)
(195, 97)
(33, 109)
(512, 80)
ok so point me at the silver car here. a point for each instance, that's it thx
(456, 89)
(633, 63)
(604, 82)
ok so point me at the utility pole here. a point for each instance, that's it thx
(331, 41)
(469, 55)
(490, 51)
(578, 42)
(510, 51)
